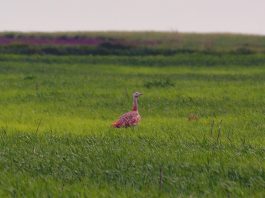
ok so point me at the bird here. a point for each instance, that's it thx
(131, 118)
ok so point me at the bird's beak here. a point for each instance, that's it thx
(140, 94)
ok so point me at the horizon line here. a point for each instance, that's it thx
(129, 31)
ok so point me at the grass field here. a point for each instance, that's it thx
(202, 132)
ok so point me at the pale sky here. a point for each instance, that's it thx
(241, 16)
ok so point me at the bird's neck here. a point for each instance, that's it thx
(135, 104)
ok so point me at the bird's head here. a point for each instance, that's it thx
(137, 94)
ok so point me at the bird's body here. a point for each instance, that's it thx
(128, 119)
(131, 118)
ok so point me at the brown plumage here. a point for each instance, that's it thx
(131, 118)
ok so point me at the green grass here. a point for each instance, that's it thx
(56, 139)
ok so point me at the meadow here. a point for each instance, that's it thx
(202, 132)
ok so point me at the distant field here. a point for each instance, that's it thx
(202, 132)
(129, 43)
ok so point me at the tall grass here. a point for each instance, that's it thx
(56, 139)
